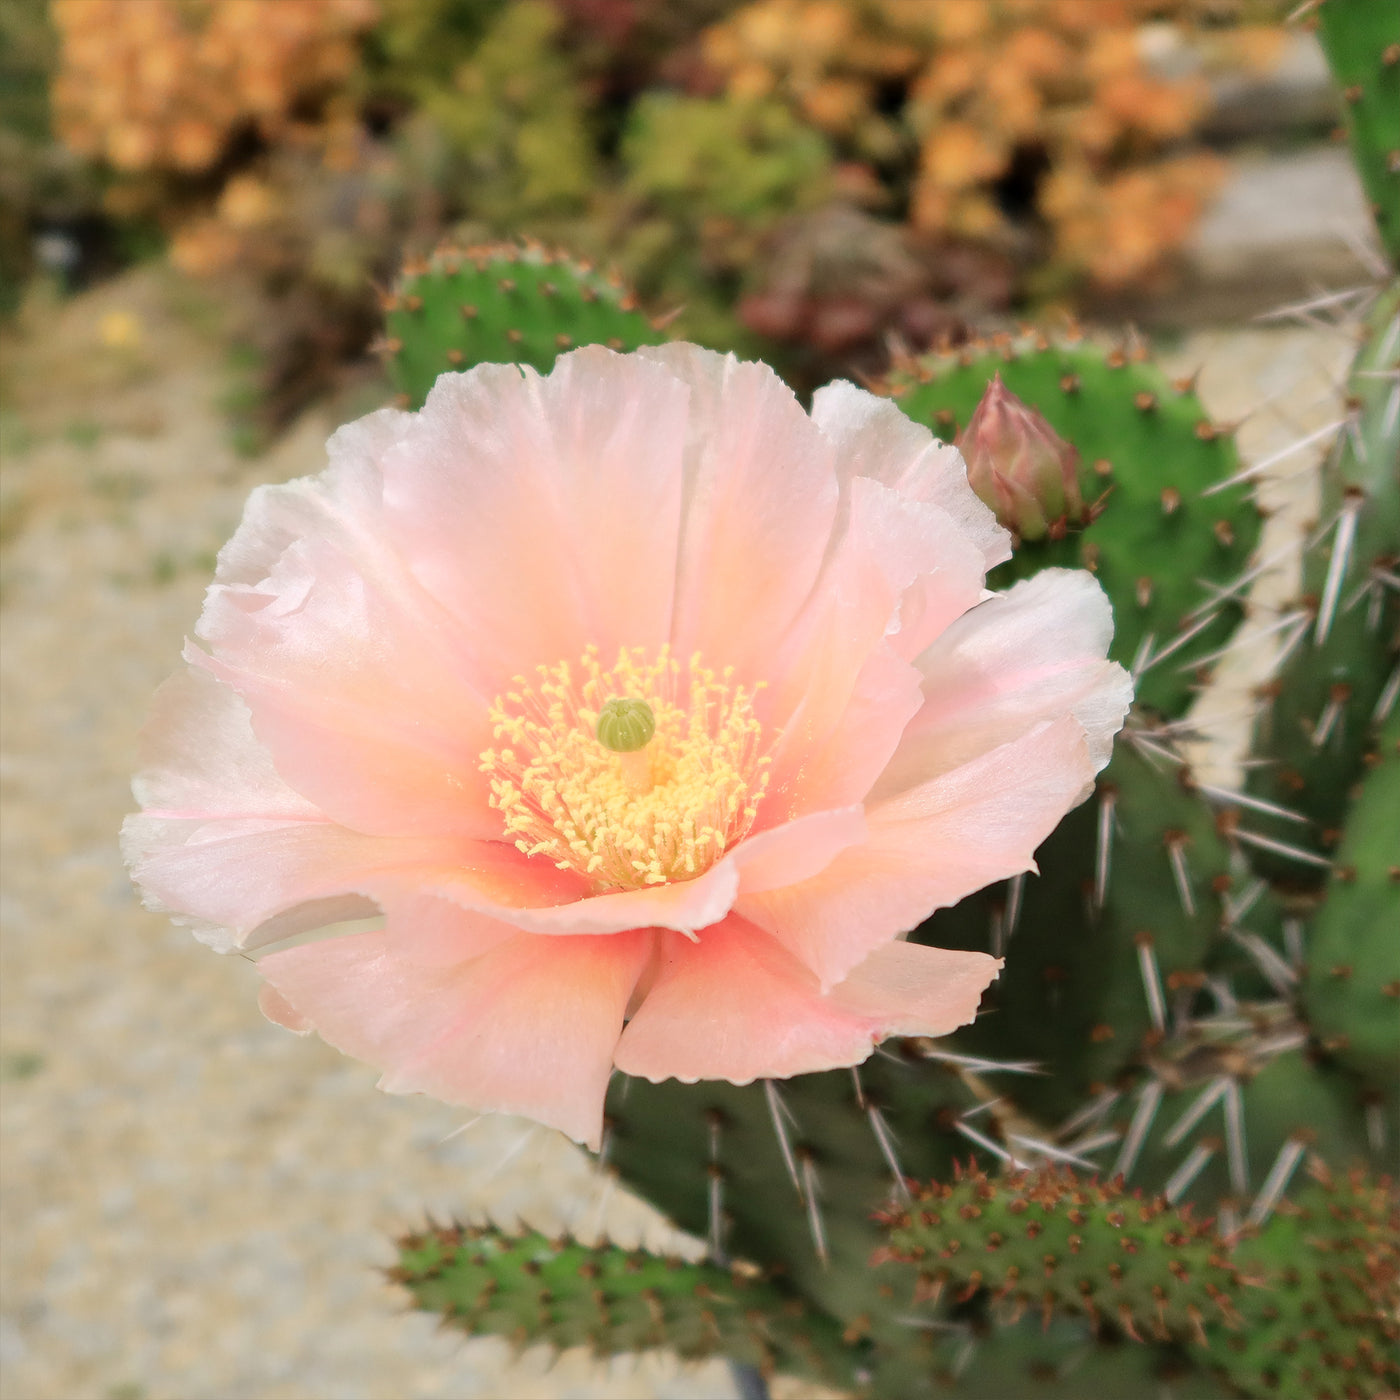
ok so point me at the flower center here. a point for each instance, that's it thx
(633, 775)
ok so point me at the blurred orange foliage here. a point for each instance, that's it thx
(152, 85)
(988, 87)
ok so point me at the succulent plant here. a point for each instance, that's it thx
(501, 303)
(1362, 43)
(532, 1290)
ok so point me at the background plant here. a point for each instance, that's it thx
(785, 174)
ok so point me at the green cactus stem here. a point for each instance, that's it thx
(1351, 991)
(1100, 945)
(1320, 712)
(501, 304)
(1051, 1241)
(1302, 1306)
(1231, 1107)
(787, 1174)
(532, 1290)
(1066, 1359)
(1148, 455)
(1361, 39)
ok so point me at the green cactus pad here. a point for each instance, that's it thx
(788, 1175)
(501, 304)
(1147, 452)
(1327, 1321)
(1051, 1240)
(1352, 988)
(1129, 892)
(1065, 1359)
(1317, 721)
(1197, 1144)
(1361, 39)
(1302, 1306)
(532, 1290)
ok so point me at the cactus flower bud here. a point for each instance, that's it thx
(1021, 467)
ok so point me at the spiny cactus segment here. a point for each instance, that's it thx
(1362, 41)
(1048, 1240)
(790, 1172)
(1341, 674)
(1352, 986)
(1244, 1305)
(1226, 1115)
(1103, 944)
(503, 304)
(1328, 1324)
(533, 1290)
(1152, 468)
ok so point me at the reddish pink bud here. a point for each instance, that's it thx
(1021, 467)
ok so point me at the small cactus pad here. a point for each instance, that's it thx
(1051, 1240)
(1362, 41)
(501, 304)
(1147, 453)
(1319, 714)
(1352, 987)
(1327, 1321)
(1247, 1307)
(532, 1290)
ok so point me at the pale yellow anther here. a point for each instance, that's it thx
(664, 811)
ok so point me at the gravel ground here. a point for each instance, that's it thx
(195, 1202)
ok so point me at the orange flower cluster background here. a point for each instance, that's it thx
(994, 85)
(821, 174)
(164, 84)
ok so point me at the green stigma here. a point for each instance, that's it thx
(624, 726)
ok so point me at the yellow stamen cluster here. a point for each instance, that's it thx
(663, 812)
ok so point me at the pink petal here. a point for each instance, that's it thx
(843, 689)
(928, 847)
(792, 852)
(226, 844)
(875, 438)
(760, 499)
(434, 932)
(544, 513)
(802, 848)
(684, 905)
(735, 1006)
(528, 1028)
(359, 683)
(913, 990)
(1022, 658)
(281, 1012)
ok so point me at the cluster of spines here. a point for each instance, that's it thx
(501, 303)
(1167, 514)
(532, 1290)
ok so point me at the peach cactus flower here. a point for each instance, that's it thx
(816, 727)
